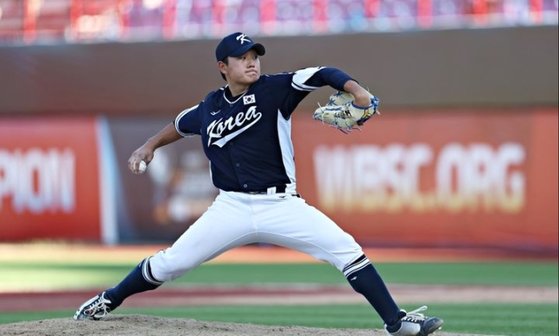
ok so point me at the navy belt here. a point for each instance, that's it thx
(279, 190)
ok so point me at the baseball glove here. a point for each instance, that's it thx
(341, 113)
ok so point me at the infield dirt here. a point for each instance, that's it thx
(140, 325)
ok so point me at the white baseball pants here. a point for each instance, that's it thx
(236, 219)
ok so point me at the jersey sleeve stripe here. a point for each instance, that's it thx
(301, 76)
(303, 87)
(178, 119)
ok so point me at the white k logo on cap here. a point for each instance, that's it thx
(243, 38)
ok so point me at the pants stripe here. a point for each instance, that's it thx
(355, 266)
(146, 272)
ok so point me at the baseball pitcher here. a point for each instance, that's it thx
(245, 129)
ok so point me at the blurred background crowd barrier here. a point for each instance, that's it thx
(463, 156)
(32, 21)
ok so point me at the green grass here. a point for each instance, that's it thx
(484, 273)
(488, 319)
(59, 276)
(484, 318)
(529, 274)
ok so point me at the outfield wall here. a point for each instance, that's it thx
(452, 178)
(49, 179)
(464, 154)
(484, 178)
(446, 68)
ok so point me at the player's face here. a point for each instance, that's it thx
(243, 70)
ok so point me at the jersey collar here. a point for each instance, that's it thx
(225, 91)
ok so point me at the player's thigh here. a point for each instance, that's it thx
(302, 227)
(223, 226)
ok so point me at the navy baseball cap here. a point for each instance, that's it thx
(236, 45)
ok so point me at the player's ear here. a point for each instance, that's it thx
(222, 66)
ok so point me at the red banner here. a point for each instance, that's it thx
(479, 178)
(49, 179)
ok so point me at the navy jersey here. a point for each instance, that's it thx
(248, 138)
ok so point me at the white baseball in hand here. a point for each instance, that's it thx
(142, 166)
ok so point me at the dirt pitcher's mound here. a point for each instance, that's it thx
(140, 325)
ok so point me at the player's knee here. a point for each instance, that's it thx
(166, 267)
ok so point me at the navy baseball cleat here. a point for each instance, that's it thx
(95, 308)
(415, 324)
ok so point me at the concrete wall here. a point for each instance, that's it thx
(453, 68)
